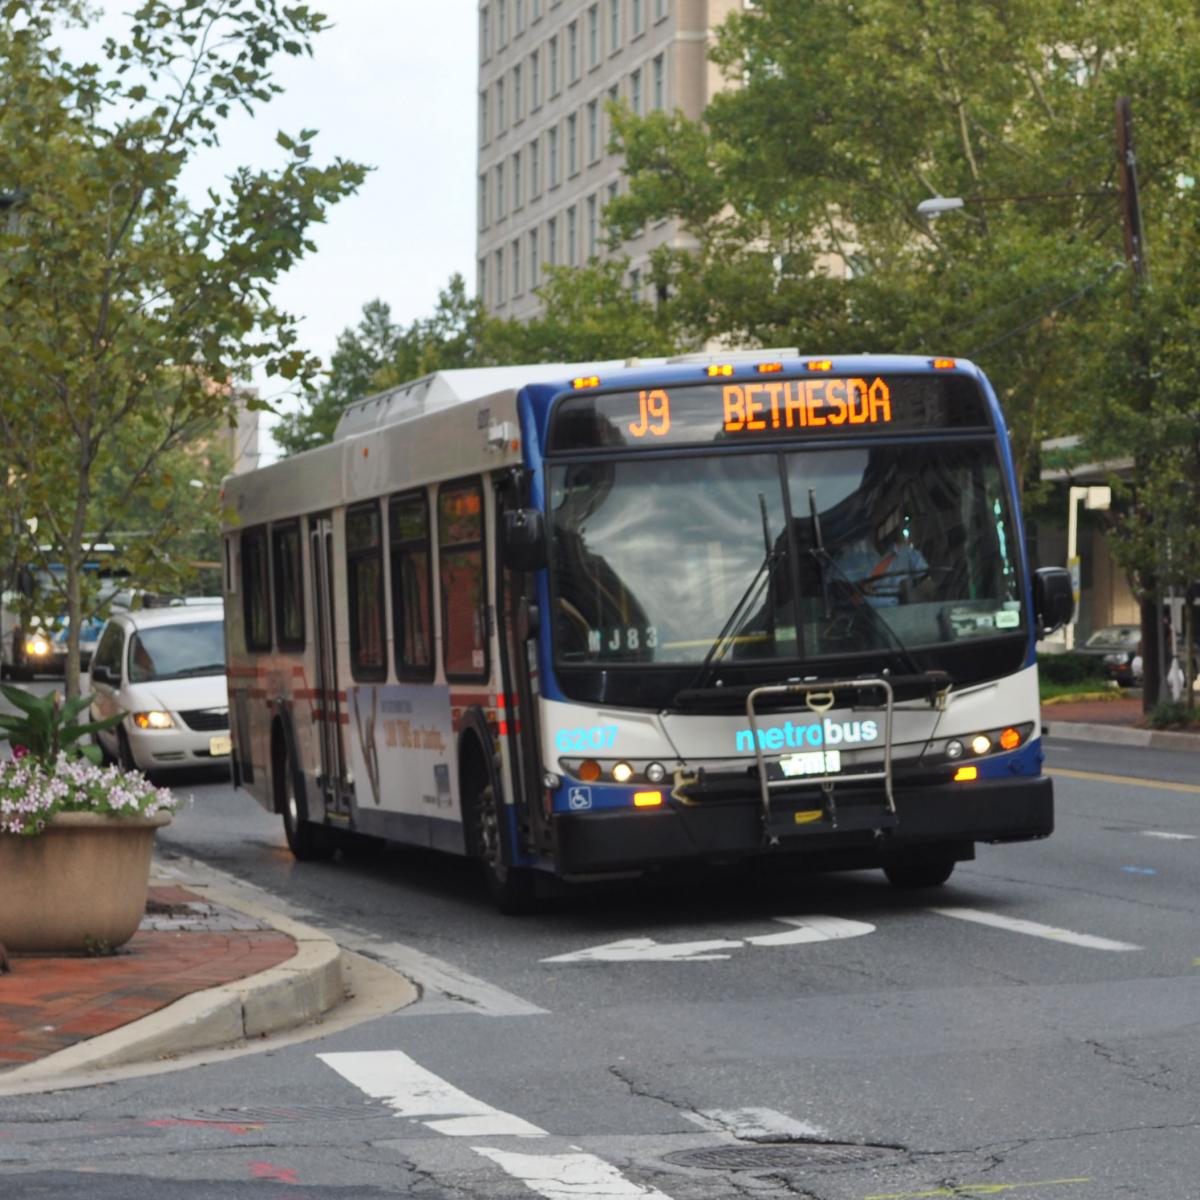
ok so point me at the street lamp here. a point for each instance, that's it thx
(934, 206)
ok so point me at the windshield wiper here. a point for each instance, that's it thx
(207, 669)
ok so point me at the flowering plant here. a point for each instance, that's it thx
(30, 794)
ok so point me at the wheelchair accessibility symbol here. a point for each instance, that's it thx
(579, 797)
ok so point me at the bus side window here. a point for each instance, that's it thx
(463, 579)
(364, 579)
(256, 589)
(289, 586)
(412, 586)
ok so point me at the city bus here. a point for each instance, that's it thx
(583, 621)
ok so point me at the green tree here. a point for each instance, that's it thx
(129, 310)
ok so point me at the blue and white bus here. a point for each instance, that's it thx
(585, 620)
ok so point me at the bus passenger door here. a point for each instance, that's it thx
(329, 704)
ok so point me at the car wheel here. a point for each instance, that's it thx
(105, 757)
(306, 841)
(513, 889)
(912, 875)
(125, 757)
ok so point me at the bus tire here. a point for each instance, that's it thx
(306, 841)
(513, 889)
(909, 875)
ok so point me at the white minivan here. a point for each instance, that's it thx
(164, 668)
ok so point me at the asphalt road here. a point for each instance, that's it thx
(1028, 1029)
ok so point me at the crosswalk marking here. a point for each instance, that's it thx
(757, 1125)
(570, 1176)
(412, 1091)
(1170, 837)
(1033, 929)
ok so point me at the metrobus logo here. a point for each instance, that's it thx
(820, 733)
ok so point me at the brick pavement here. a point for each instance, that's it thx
(185, 945)
(1125, 711)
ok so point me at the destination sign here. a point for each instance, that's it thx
(767, 409)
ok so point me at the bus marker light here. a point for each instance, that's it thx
(1010, 739)
(769, 368)
(820, 364)
(622, 772)
(589, 770)
(647, 799)
(966, 774)
(808, 816)
(719, 369)
(981, 743)
(943, 364)
(586, 381)
(656, 772)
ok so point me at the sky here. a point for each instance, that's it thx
(392, 85)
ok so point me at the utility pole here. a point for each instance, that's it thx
(1154, 649)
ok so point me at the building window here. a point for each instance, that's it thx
(552, 66)
(519, 16)
(500, 209)
(483, 201)
(518, 181)
(593, 35)
(534, 265)
(573, 50)
(412, 586)
(498, 263)
(572, 144)
(364, 584)
(464, 584)
(289, 585)
(518, 95)
(535, 10)
(485, 33)
(501, 24)
(552, 155)
(635, 91)
(481, 280)
(535, 80)
(593, 130)
(535, 168)
(637, 15)
(635, 284)
(572, 233)
(552, 241)
(614, 25)
(660, 99)
(516, 267)
(660, 9)
(501, 122)
(612, 191)
(256, 589)
(483, 118)
(592, 226)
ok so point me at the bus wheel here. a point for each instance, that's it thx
(306, 841)
(513, 889)
(913, 874)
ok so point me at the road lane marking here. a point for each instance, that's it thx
(1033, 929)
(806, 929)
(411, 1091)
(975, 1189)
(1170, 837)
(1165, 785)
(570, 1176)
(756, 1124)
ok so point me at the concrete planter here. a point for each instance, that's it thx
(80, 884)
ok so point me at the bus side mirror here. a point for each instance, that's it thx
(1053, 599)
(524, 539)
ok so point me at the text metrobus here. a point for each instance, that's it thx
(589, 619)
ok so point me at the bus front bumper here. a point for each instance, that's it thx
(1002, 810)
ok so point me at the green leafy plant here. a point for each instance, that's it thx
(47, 727)
(1171, 714)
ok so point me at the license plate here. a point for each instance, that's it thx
(220, 745)
(811, 762)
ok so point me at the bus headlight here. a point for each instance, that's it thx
(954, 749)
(981, 743)
(622, 772)
(656, 772)
(154, 719)
(37, 646)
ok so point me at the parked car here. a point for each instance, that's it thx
(1117, 647)
(165, 669)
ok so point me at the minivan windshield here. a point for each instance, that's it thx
(177, 651)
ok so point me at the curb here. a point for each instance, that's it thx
(1121, 735)
(282, 997)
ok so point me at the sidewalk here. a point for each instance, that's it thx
(1113, 721)
(204, 970)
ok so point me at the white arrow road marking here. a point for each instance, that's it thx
(1171, 837)
(1033, 929)
(407, 1087)
(812, 929)
(644, 949)
(756, 1124)
(570, 1176)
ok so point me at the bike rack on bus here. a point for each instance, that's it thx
(819, 697)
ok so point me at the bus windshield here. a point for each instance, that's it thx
(782, 558)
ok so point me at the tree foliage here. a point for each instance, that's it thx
(130, 311)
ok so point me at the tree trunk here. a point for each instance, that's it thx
(1152, 679)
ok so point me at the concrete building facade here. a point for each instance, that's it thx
(547, 70)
